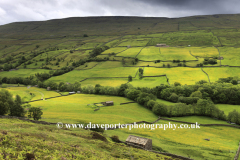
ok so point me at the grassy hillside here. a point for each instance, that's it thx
(21, 140)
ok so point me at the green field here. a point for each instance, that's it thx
(190, 142)
(37, 93)
(114, 50)
(182, 75)
(228, 108)
(204, 51)
(134, 42)
(131, 52)
(222, 72)
(230, 56)
(75, 109)
(78, 75)
(22, 72)
(113, 82)
(148, 82)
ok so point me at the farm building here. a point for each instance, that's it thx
(78, 92)
(72, 92)
(49, 88)
(108, 103)
(161, 45)
(129, 46)
(220, 58)
(139, 141)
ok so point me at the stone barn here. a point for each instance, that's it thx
(139, 142)
(220, 58)
(49, 88)
(108, 103)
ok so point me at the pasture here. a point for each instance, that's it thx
(131, 52)
(149, 82)
(230, 56)
(228, 108)
(78, 75)
(22, 72)
(182, 75)
(134, 42)
(75, 108)
(189, 142)
(113, 82)
(36, 93)
(221, 72)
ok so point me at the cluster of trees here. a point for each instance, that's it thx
(209, 61)
(140, 73)
(18, 80)
(224, 93)
(201, 107)
(14, 107)
(64, 87)
(44, 76)
(98, 50)
(234, 117)
(233, 80)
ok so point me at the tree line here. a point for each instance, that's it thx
(15, 107)
(196, 105)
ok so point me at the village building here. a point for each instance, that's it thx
(141, 142)
(108, 103)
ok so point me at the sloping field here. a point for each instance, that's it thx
(76, 109)
(223, 142)
(22, 72)
(176, 53)
(131, 52)
(222, 72)
(228, 108)
(113, 82)
(150, 54)
(78, 75)
(182, 75)
(135, 42)
(204, 51)
(114, 50)
(37, 93)
(231, 56)
(148, 81)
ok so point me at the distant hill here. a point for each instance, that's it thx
(116, 25)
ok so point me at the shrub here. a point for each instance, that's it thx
(150, 104)
(160, 109)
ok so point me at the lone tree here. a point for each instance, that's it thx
(129, 78)
(35, 113)
(16, 109)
